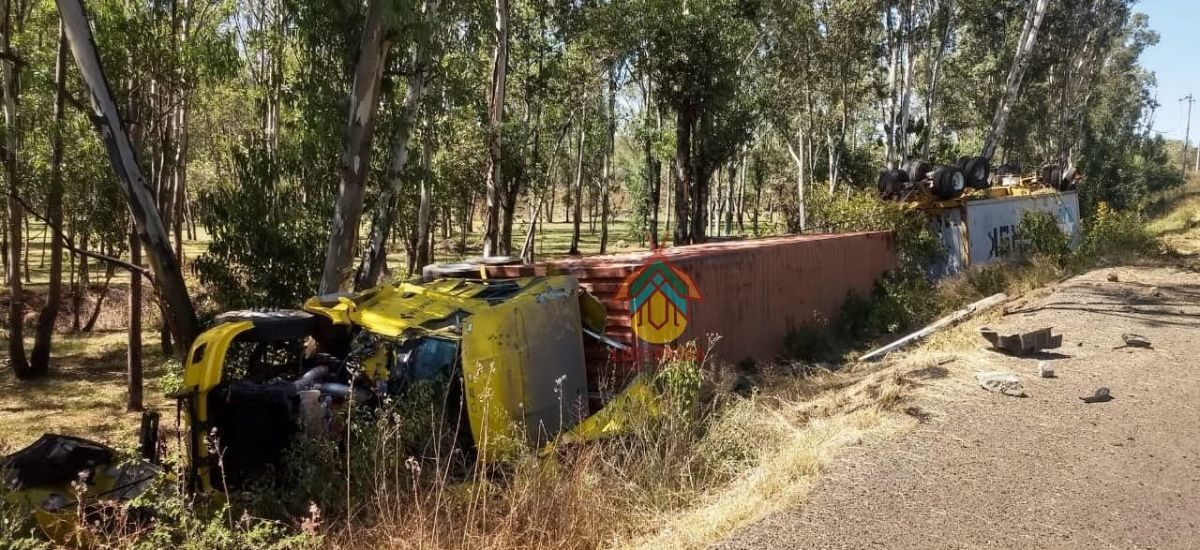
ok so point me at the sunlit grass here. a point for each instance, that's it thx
(85, 393)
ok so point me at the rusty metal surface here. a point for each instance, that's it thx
(753, 291)
(1023, 343)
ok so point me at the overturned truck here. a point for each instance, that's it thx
(527, 355)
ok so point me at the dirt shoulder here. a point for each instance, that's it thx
(1046, 471)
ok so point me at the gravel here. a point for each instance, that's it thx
(1048, 471)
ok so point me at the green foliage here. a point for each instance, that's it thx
(897, 302)
(917, 248)
(678, 378)
(267, 240)
(1041, 235)
(1111, 237)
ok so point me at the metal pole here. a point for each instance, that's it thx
(1187, 133)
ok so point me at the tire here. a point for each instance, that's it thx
(977, 170)
(1068, 179)
(917, 170)
(495, 260)
(462, 270)
(273, 326)
(961, 163)
(884, 184)
(948, 182)
(891, 182)
(1051, 174)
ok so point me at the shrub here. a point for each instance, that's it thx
(916, 247)
(807, 343)
(1042, 236)
(1115, 237)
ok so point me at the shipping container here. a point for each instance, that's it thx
(751, 293)
(979, 232)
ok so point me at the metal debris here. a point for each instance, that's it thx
(1023, 343)
(1135, 341)
(1045, 370)
(1102, 395)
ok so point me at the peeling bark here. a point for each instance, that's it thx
(1029, 35)
(356, 159)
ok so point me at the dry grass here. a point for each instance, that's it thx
(676, 485)
(84, 394)
(1179, 224)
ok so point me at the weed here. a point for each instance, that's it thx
(1113, 237)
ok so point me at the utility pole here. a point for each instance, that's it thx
(1187, 133)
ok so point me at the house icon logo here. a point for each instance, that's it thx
(658, 295)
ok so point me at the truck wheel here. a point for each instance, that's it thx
(917, 170)
(275, 325)
(462, 270)
(891, 182)
(948, 182)
(1052, 175)
(977, 170)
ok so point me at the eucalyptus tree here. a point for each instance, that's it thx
(697, 52)
(1029, 36)
(355, 161)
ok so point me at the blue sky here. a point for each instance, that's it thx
(1175, 62)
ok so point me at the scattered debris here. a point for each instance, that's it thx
(1045, 370)
(1023, 343)
(1112, 277)
(1102, 395)
(1005, 383)
(1135, 341)
(977, 307)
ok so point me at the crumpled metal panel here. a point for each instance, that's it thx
(1023, 343)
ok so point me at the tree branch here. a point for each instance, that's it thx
(70, 245)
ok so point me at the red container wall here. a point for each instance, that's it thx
(752, 291)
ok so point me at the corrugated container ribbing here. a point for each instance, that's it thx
(753, 290)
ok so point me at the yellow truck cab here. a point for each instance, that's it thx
(510, 352)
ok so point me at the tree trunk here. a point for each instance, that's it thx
(610, 151)
(1029, 34)
(577, 201)
(797, 153)
(422, 257)
(683, 177)
(356, 159)
(375, 255)
(889, 125)
(906, 85)
(653, 166)
(495, 180)
(150, 229)
(40, 356)
(134, 356)
(935, 69)
(16, 216)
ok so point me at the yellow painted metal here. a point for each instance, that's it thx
(634, 406)
(207, 360)
(523, 367)
(521, 351)
(206, 363)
